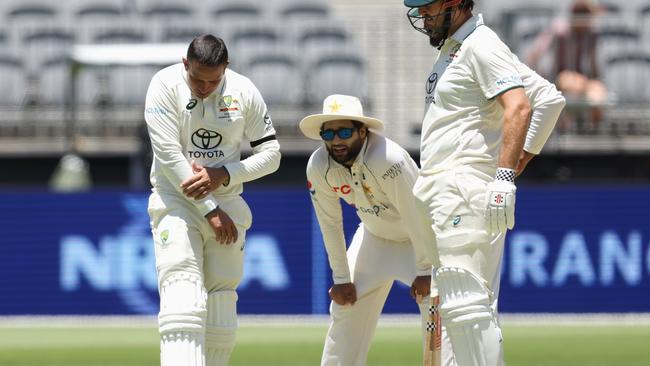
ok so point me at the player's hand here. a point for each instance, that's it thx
(343, 293)
(500, 210)
(524, 158)
(223, 226)
(421, 286)
(204, 181)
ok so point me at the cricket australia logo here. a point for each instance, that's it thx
(164, 237)
(207, 141)
(226, 101)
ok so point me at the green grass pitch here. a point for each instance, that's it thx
(292, 345)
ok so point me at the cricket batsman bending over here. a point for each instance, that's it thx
(486, 115)
(375, 175)
(197, 113)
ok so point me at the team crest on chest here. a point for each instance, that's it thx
(229, 108)
(453, 54)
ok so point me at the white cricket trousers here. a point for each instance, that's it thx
(374, 264)
(455, 200)
(186, 243)
(197, 280)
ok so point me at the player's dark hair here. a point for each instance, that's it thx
(467, 5)
(208, 50)
(358, 124)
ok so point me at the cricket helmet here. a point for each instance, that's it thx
(440, 33)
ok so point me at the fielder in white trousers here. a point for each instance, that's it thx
(393, 243)
(375, 263)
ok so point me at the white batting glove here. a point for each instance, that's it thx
(500, 198)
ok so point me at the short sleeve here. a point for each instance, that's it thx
(495, 68)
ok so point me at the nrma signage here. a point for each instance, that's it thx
(614, 259)
(95, 254)
(124, 262)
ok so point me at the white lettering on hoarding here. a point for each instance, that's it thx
(615, 256)
(127, 262)
(573, 260)
(263, 263)
(528, 252)
(532, 263)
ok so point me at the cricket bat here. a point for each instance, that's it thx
(433, 337)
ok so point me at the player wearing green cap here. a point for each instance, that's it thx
(486, 115)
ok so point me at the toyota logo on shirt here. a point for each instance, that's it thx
(206, 139)
(431, 83)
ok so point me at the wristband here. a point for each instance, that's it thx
(505, 174)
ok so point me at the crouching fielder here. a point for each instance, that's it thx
(198, 112)
(486, 115)
(374, 175)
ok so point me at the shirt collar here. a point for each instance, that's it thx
(467, 28)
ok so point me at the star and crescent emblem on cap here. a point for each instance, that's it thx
(334, 107)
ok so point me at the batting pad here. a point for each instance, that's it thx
(221, 327)
(181, 321)
(182, 349)
(471, 325)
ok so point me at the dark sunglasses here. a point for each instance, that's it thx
(343, 133)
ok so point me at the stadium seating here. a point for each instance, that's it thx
(180, 34)
(13, 79)
(289, 10)
(335, 71)
(31, 9)
(46, 30)
(51, 82)
(167, 10)
(276, 73)
(236, 10)
(44, 44)
(627, 76)
(304, 46)
(85, 10)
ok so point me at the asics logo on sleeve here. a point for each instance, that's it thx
(191, 104)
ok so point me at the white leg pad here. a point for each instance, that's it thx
(466, 313)
(181, 321)
(221, 327)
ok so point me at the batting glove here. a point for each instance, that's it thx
(500, 198)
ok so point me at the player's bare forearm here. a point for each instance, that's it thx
(524, 159)
(516, 116)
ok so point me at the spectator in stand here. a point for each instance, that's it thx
(575, 68)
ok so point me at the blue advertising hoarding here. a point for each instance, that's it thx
(574, 249)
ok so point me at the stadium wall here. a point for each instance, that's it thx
(575, 249)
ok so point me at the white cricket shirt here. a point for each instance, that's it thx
(463, 121)
(378, 186)
(546, 102)
(209, 131)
